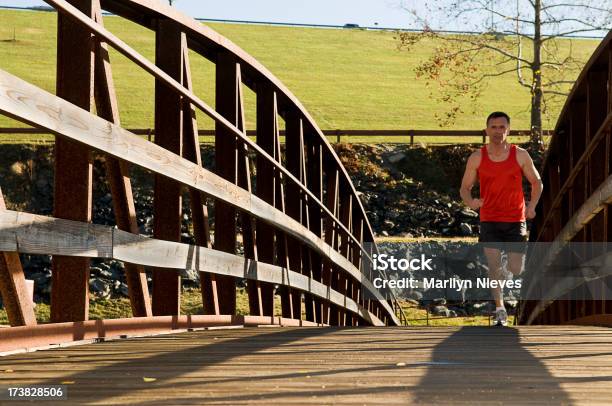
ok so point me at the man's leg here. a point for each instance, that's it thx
(516, 261)
(495, 273)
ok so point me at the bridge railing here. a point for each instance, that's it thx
(302, 225)
(574, 207)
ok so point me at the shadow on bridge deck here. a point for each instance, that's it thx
(329, 365)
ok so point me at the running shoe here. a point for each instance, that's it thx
(501, 317)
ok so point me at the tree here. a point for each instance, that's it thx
(462, 64)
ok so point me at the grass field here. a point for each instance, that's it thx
(418, 317)
(347, 79)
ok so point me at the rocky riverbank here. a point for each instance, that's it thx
(406, 192)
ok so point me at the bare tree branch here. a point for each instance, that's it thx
(490, 47)
(567, 33)
(584, 6)
(462, 64)
(555, 92)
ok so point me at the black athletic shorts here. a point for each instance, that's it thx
(509, 237)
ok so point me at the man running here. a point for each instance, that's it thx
(499, 168)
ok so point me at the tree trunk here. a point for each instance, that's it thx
(536, 85)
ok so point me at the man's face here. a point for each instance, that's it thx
(497, 130)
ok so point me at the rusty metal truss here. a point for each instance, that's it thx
(301, 223)
(575, 206)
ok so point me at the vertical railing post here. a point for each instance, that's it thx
(330, 274)
(169, 44)
(73, 164)
(226, 95)
(261, 295)
(346, 214)
(357, 257)
(315, 184)
(294, 153)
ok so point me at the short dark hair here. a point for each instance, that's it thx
(498, 114)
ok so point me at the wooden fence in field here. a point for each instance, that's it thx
(404, 136)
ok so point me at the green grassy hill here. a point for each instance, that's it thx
(348, 79)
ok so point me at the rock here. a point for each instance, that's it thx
(448, 222)
(439, 301)
(189, 274)
(415, 295)
(123, 289)
(458, 311)
(101, 272)
(393, 214)
(468, 213)
(440, 311)
(398, 156)
(483, 309)
(100, 287)
(465, 229)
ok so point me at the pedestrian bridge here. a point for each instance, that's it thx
(330, 365)
(287, 220)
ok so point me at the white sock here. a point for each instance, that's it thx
(500, 308)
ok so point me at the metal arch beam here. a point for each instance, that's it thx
(577, 209)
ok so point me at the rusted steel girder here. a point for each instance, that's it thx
(577, 193)
(316, 247)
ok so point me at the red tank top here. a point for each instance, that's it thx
(501, 188)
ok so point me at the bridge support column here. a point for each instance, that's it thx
(170, 42)
(73, 164)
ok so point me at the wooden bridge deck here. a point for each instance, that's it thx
(549, 364)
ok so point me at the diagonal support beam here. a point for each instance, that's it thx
(15, 296)
(199, 209)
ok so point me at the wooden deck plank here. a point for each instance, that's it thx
(469, 365)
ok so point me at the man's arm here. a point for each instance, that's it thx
(469, 179)
(532, 175)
